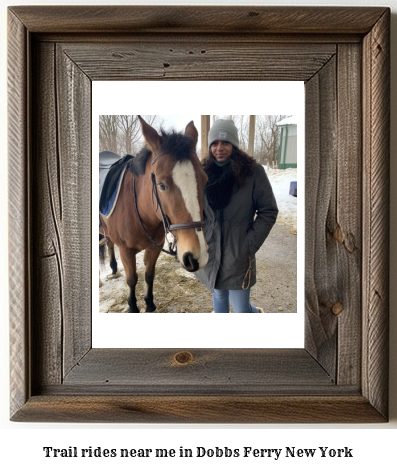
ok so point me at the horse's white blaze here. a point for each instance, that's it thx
(184, 178)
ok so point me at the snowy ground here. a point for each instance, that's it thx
(287, 204)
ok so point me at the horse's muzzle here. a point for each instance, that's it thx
(189, 262)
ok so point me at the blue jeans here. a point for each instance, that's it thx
(239, 298)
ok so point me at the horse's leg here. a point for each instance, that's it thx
(150, 258)
(129, 263)
(101, 256)
(112, 261)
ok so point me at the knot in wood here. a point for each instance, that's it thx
(337, 308)
(183, 358)
(339, 235)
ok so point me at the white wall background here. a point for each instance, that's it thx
(372, 445)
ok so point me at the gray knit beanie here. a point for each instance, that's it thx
(223, 130)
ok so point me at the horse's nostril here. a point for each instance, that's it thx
(189, 262)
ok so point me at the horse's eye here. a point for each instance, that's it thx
(162, 186)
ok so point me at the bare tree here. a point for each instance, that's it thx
(122, 133)
(108, 131)
(242, 124)
(251, 134)
(129, 132)
(268, 138)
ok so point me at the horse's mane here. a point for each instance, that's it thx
(176, 144)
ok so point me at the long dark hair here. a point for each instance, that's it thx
(242, 165)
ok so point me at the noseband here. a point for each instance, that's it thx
(168, 227)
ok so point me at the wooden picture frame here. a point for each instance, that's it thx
(342, 54)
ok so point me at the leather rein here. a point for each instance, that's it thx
(168, 227)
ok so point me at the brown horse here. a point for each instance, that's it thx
(162, 192)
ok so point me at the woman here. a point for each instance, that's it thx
(240, 210)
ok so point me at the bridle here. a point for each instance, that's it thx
(168, 227)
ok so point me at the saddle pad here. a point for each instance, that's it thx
(111, 185)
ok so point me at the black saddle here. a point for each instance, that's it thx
(111, 166)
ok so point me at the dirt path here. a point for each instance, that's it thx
(276, 287)
(176, 290)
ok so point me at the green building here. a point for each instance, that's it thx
(287, 151)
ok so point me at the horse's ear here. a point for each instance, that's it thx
(152, 138)
(192, 132)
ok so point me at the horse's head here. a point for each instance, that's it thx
(179, 183)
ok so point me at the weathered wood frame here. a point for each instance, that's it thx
(342, 54)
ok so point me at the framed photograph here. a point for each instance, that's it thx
(342, 56)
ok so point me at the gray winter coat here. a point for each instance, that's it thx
(234, 234)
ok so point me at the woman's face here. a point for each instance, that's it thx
(222, 151)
